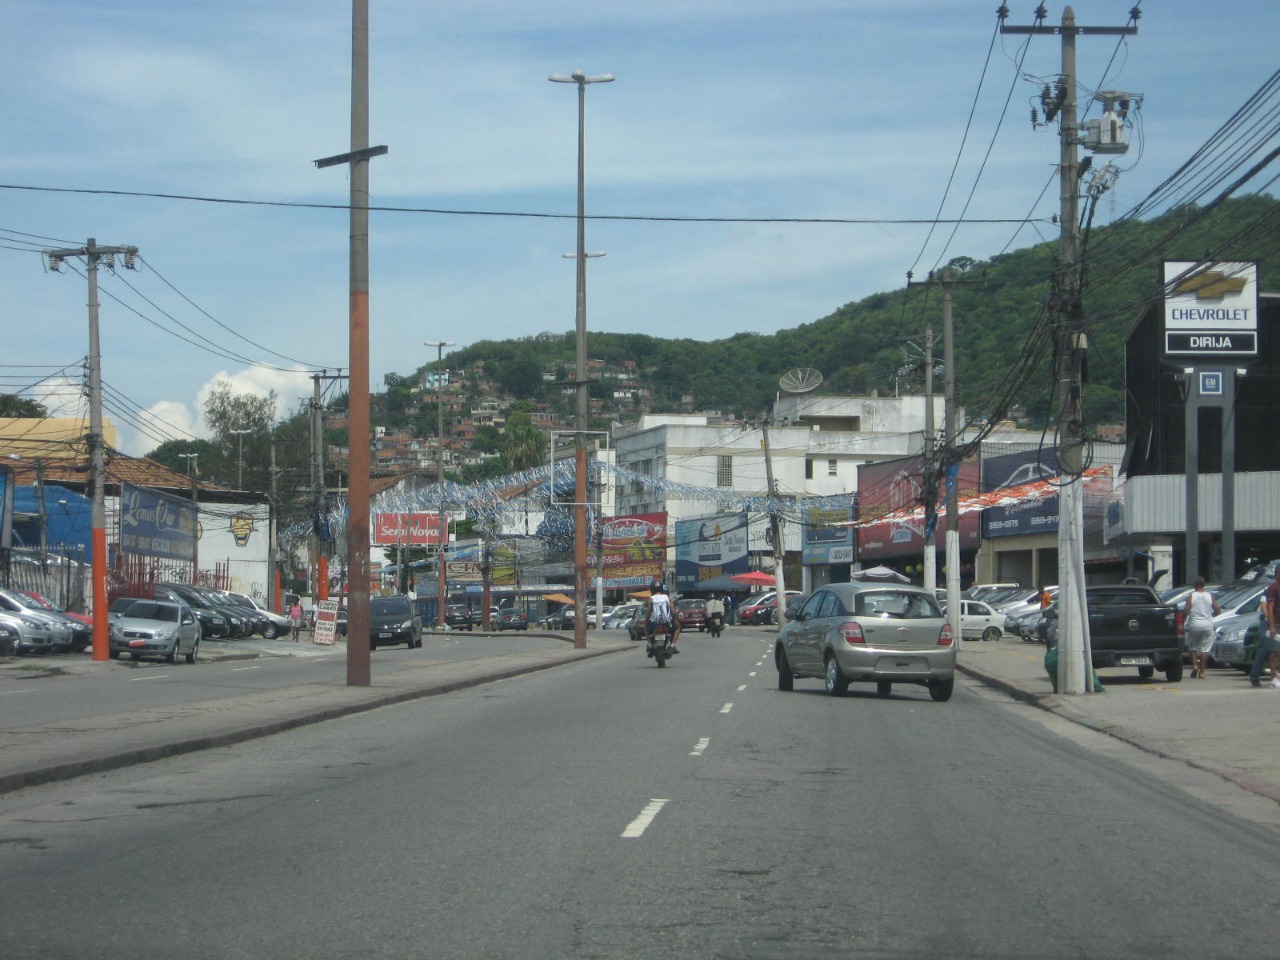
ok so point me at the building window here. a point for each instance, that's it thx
(831, 468)
(724, 471)
(808, 469)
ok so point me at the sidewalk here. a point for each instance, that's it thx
(1219, 724)
(47, 752)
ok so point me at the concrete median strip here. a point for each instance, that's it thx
(49, 752)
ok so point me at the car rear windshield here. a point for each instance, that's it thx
(895, 603)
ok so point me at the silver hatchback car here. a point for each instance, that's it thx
(868, 632)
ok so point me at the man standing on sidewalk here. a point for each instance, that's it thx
(1268, 645)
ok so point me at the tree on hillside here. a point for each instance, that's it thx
(526, 445)
(520, 377)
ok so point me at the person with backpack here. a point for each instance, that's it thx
(658, 610)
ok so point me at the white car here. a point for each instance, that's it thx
(979, 621)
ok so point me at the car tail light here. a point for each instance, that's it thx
(852, 632)
(944, 635)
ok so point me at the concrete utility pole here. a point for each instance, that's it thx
(193, 468)
(442, 528)
(1074, 654)
(358, 674)
(944, 468)
(580, 463)
(93, 255)
(775, 528)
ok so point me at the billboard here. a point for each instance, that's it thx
(157, 524)
(406, 529)
(1210, 310)
(824, 543)
(635, 549)
(1010, 470)
(710, 547)
(892, 489)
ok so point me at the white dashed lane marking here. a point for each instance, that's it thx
(726, 708)
(637, 827)
(700, 747)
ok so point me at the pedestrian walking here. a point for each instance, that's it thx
(1268, 643)
(1197, 621)
(295, 614)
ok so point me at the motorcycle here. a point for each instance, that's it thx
(660, 644)
(715, 624)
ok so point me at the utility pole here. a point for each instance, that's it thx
(1074, 653)
(358, 673)
(442, 528)
(273, 542)
(193, 468)
(775, 527)
(944, 467)
(951, 460)
(93, 255)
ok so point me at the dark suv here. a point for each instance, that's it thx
(457, 616)
(394, 620)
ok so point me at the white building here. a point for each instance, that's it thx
(815, 448)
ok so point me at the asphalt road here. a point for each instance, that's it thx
(611, 809)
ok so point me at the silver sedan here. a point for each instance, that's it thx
(156, 628)
(868, 632)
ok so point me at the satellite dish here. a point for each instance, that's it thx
(800, 380)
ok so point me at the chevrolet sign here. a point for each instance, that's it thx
(1210, 309)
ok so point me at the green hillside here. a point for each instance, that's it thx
(1000, 330)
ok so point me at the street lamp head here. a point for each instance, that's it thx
(579, 77)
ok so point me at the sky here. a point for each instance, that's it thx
(745, 114)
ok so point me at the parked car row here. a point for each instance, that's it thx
(35, 624)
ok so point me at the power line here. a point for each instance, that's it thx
(440, 211)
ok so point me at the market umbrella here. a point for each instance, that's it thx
(557, 598)
(755, 578)
(880, 573)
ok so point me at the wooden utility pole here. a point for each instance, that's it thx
(358, 674)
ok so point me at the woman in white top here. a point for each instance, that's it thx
(1197, 621)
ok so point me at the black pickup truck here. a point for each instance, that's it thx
(1130, 627)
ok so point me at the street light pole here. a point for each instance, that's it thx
(441, 529)
(580, 471)
(193, 469)
(240, 458)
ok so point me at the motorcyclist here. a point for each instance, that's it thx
(715, 611)
(658, 609)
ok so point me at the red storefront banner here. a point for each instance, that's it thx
(892, 490)
(407, 529)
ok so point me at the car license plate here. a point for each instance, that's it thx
(384, 636)
(1135, 661)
